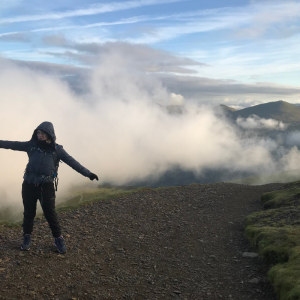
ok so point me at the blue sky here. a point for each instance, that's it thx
(242, 41)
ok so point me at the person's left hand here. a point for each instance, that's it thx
(93, 176)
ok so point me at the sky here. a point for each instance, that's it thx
(235, 52)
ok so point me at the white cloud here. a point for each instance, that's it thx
(255, 122)
(290, 160)
(118, 131)
(254, 19)
(131, 20)
(276, 61)
(293, 138)
(92, 10)
(176, 99)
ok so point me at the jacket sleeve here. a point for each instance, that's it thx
(70, 161)
(17, 146)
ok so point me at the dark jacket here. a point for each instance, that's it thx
(41, 166)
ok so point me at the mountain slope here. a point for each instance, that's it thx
(279, 110)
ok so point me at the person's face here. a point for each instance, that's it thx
(41, 135)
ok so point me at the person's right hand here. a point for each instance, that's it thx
(93, 176)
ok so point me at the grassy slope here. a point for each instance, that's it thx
(276, 233)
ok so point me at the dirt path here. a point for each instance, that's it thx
(177, 243)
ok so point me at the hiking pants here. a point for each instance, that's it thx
(46, 194)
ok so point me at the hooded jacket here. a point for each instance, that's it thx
(41, 166)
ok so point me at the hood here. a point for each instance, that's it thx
(48, 128)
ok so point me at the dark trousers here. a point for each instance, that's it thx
(46, 194)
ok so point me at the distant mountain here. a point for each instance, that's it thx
(279, 110)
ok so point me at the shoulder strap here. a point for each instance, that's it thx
(55, 156)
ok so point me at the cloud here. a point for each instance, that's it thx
(157, 64)
(92, 10)
(15, 37)
(205, 88)
(143, 57)
(250, 21)
(243, 22)
(137, 19)
(255, 122)
(290, 160)
(51, 68)
(176, 99)
(56, 40)
(272, 16)
(118, 130)
(293, 138)
(98, 24)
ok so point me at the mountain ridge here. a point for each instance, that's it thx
(278, 110)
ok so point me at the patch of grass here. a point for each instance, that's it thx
(274, 243)
(288, 195)
(5, 224)
(276, 233)
(285, 277)
(103, 194)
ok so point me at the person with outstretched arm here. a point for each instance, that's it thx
(39, 178)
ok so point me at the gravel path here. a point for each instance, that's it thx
(178, 243)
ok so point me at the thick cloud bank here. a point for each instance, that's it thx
(120, 130)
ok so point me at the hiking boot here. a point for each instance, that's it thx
(60, 244)
(26, 242)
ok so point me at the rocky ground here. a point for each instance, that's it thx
(178, 243)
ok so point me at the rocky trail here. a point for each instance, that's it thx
(177, 243)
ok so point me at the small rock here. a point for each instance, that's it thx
(38, 276)
(177, 292)
(250, 254)
(214, 257)
(31, 292)
(254, 280)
